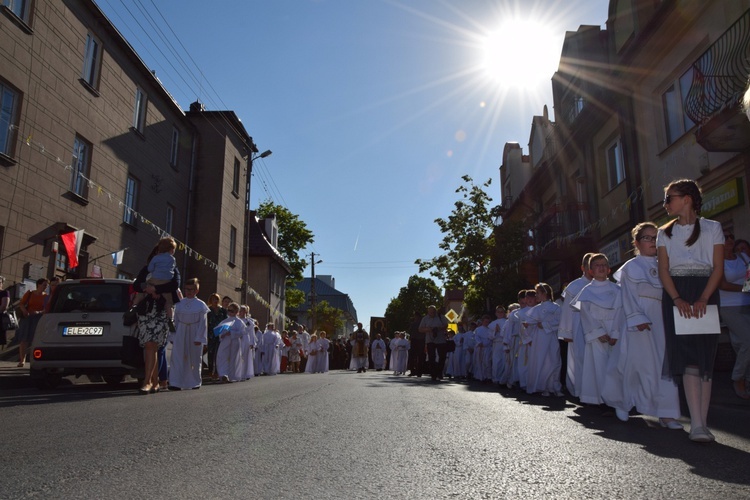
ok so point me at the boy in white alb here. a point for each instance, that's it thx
(600, 303)
(498, 349)
(570, 329)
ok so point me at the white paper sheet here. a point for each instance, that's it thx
(709, 323)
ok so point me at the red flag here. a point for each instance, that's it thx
(72, 243)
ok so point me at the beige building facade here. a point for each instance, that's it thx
(91, 140)
(652, 98)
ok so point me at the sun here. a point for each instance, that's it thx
(521, 53)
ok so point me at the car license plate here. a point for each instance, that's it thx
(75, 331)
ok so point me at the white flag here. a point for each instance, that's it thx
(117, 257)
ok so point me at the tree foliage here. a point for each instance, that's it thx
(466, 244)
(294, 236)
(413, 298)
(327, 318)
(479, 257)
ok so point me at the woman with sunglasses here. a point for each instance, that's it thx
(690, 255)
(735, 312)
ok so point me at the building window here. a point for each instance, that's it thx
(92, 61)
(8, 115)
(20, 8)
(236, 178)
(232, 244)
(139, 113)
(131, 201)
(61, 263)
(174, 152)
(615, 166)
(170, 219)
(676, 121)
(81, 167)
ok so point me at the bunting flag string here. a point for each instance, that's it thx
(181, 246)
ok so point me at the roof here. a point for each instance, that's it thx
(259, 246)
(326, 292)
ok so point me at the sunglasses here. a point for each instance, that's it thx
(647, 238)
(668, 197)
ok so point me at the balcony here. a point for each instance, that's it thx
(719, 80)
(560, 230)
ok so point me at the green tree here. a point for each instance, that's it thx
(327, 318)
(414, 297)
(468, 245)
(294, 236)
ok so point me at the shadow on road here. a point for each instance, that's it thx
(720, 460)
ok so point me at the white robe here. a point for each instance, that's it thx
(635, 379)
(323, 345)
(229, 361)
(257, 362)
(457, 366)
(601, 314)
(482, 358)
(570, 329)
(272, 344)
(317, 361)
(525, 336)
(248, 348)
(498, 350)
(468, 352)
(378, 354)
(511, 339)
(190, 325)
(399, 355)
(544, 352)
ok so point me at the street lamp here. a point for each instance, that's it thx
(246, 239)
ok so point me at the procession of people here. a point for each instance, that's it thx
(628, 341)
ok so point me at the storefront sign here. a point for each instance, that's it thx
(723, 198)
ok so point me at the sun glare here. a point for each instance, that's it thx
(521, 54)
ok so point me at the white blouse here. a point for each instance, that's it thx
(698, 256)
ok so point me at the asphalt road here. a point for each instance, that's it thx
(350, 436)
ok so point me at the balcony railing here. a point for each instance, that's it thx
(561, 222)
(720, 73)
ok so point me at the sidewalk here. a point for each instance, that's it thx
(11, 376)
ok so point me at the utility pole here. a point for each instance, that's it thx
(313, 312)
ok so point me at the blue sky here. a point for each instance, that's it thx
(373, 109)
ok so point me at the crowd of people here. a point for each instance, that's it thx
(626, 341)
